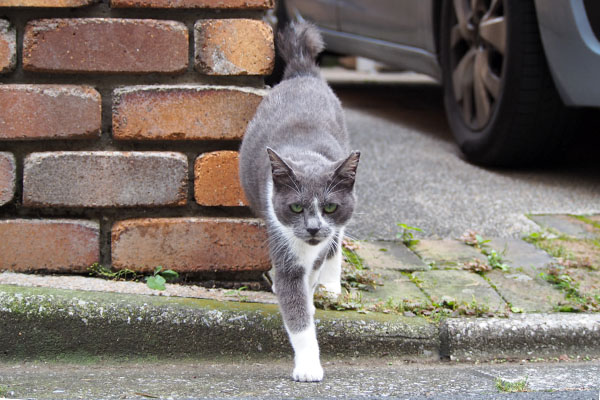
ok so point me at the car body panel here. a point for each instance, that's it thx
(405, 22)
(572, 50)
(403, 56)
(369, 38)
(321, 12)
(402, 34)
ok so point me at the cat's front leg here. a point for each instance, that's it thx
(295, 302)
(331, 270)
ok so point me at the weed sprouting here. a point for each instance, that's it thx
(99, 270)
(436, 310)
(494, 259)
(156, 281)
(578, 302)
(239, 293)
(407, 235)
(504, 385)
(348, 300)
(160, 277)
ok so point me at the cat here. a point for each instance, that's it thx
(298, 174)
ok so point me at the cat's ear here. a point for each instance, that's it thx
(345, 172)
(281, 171)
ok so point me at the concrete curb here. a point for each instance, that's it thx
(521, 336)
(47, 323)
(41, 322)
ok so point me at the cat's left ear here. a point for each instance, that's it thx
(345, 172)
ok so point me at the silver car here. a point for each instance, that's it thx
(514, 72)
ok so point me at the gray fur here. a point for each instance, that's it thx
(296, 146)
(299, 46)
(291, 295)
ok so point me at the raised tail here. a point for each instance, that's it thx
(299, 44)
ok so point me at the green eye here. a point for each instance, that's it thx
(297, 208)
(330, 207)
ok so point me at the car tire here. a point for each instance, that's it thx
(500, 99)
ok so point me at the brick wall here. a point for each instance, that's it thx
(120, 123)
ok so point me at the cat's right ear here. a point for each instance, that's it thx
(281, 171)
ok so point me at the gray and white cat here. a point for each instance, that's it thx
(298, 174)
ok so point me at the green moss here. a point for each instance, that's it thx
(588, 221)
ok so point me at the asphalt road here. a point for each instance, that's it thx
(270, 379)
(412, 172)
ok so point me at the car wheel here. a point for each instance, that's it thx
(500, 100)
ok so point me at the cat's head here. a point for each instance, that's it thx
(311, 196)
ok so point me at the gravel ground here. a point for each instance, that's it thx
(412, 172)
(269, 379)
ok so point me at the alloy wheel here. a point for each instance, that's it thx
(477, 53)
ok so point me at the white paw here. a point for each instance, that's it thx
(308, 372)
(331, 289)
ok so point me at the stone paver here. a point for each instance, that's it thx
(594, 218)
(461, 286)
(567, 225)
(589, 280)
(390, 255)
(525, 292)
(583, 252)
(397, 287)
(521, 256)
(447, 253)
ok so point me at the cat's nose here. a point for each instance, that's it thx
(312, 231)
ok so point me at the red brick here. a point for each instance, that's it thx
(105, 179)
(183, 112)
(214, 4)
(8, 47)
(234, 47)
(48, 245)
(46, 3)
(49, 112)
(216, 179)
(190, 244)
(105, 45)
(7, 178)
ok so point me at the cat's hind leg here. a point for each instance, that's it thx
(331, 270)
(295, 303)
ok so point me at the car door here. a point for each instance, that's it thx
(404, 22)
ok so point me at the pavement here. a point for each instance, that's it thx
(471, 299)
(362, 378)
(411, 171)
